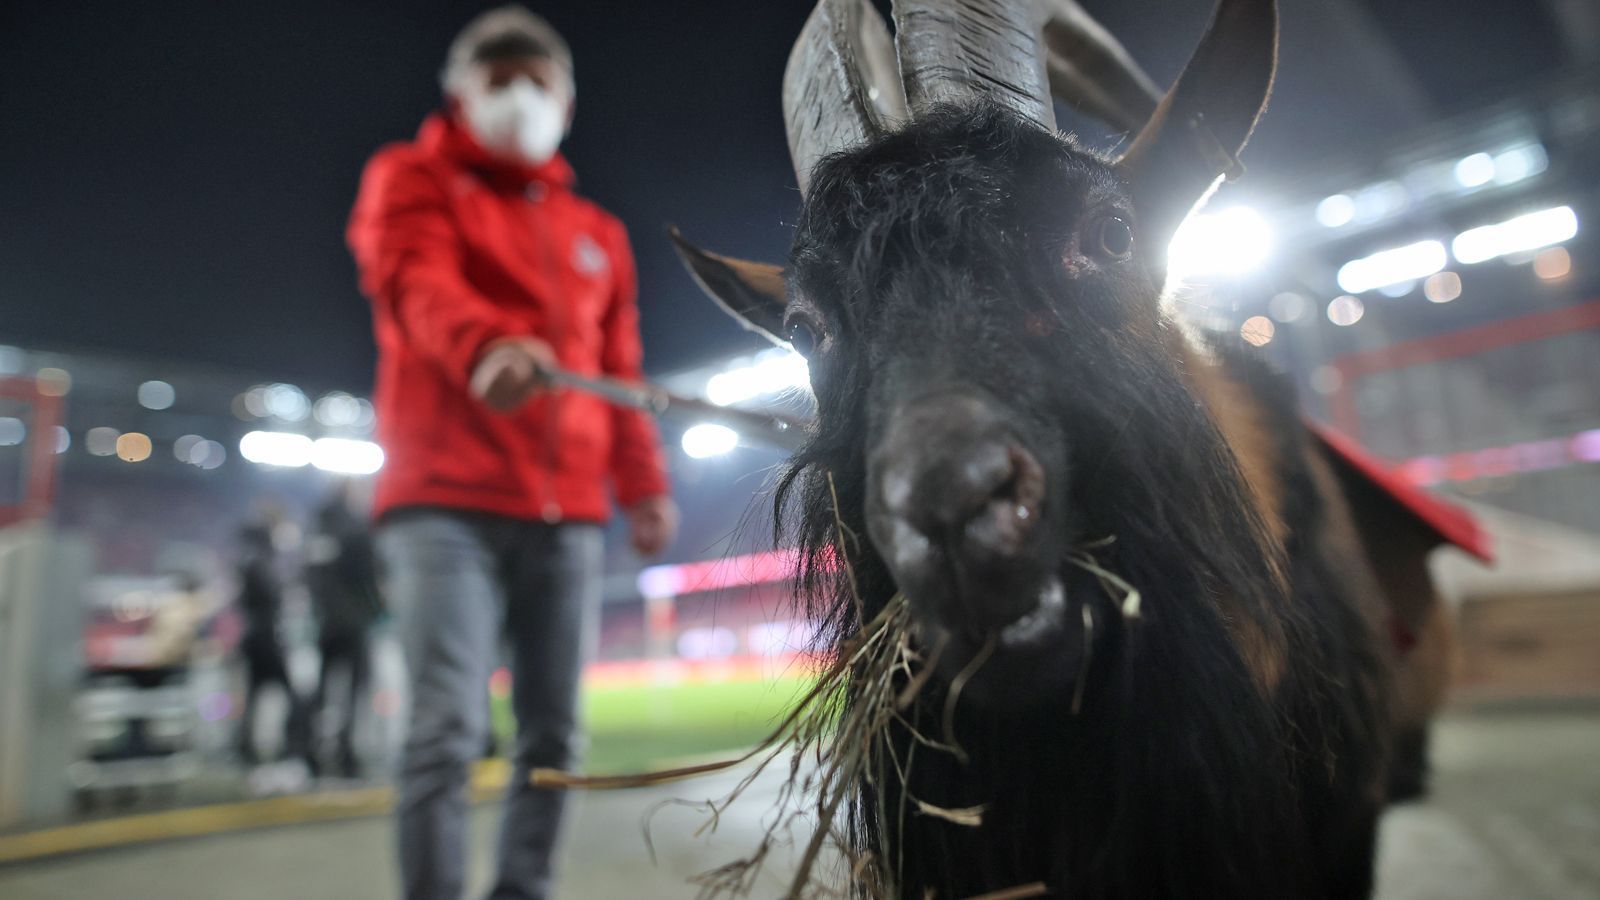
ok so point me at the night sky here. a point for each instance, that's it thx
(175, 175)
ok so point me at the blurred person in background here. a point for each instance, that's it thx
(260, 604)
(485, 269)
(341, 576)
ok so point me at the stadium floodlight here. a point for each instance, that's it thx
(1528, 232)
(772, 372)
(707, 440)
(1229, 242)
(276, 448)
(1394, 266)
(346, 456)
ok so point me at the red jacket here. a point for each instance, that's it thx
(457, 249)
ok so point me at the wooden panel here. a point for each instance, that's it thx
(1530, 645)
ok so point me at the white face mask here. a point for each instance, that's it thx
(520, 121)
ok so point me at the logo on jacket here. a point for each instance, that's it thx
(589, 257)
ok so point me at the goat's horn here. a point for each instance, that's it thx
(951, 50)
(840, 88)
(1091, 70)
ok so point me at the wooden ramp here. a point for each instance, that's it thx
(1528, 627)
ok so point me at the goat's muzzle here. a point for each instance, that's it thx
(955, 507)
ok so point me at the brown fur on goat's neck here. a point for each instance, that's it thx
(1243, 424)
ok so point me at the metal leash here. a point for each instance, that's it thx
(782, 432)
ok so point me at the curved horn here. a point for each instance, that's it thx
(951, 50)
(1090, 69)
(840, 88)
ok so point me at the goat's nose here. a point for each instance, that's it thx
(955, 501)
(944, 491)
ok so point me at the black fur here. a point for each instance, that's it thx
(934, 257)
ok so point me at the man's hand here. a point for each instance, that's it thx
(652, 524)
(511, 371)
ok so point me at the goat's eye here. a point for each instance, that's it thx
(801, 335)
(1111, 237)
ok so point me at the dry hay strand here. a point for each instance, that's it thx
(835, 739)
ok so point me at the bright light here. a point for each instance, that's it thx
(209, 455)
(134, 447)
(12, 431)
(63, 439)
(772, 372)
(285, 401)
(337, 410)
(1526, 161)
(157, 395)
(276, 448)
(1553, 264)
(1346, 310)
(1476, 170)
(184, 446)
(1442, 287)
(707, 440)
(346, 457)
(1529, 232)
(197, 451)
(1257, 331)
(1229, 242)
(1336, 210)
(1396, 266)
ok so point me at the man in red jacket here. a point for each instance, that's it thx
(484, 268)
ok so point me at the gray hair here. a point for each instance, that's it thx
(507, 32)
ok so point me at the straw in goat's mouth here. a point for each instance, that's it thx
(837, 738)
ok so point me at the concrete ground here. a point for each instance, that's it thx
(1515, 814)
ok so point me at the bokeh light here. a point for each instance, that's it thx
(157, 395)
(1257, 331)
(134, 447)
(13, 431)
(1442, 287)
(707, 440)
(1346, 310)
(53, 382)
(1288, 307)
(1553, 264)
(1394, 266)
(101, 441)
(1336, 210)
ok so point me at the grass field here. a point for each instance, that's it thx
(641, 726)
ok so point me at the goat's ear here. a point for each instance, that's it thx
(1199, 128)
(751, 292)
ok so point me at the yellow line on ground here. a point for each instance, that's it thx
(488, 780)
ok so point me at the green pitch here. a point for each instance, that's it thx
(638, 727)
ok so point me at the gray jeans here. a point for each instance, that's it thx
(457, 581)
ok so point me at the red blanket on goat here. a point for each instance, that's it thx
(1453, 523)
